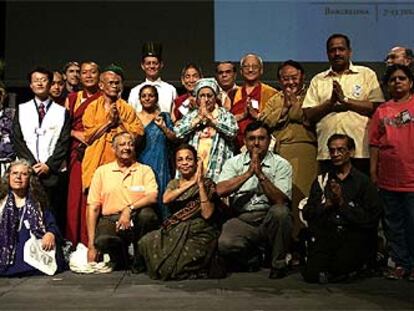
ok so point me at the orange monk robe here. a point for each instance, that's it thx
(261, 93)
(100, 151)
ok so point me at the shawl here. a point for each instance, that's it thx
(11, 222)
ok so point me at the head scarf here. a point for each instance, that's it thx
(206, 82)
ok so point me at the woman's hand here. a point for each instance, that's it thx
(48, 241)
(202, 110)
(199, 175)
(159, 121)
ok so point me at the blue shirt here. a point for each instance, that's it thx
(250, 196)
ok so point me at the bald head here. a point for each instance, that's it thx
(110, 84)
(399, 55)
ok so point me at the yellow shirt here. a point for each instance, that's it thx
(114, 190)
(359, 83)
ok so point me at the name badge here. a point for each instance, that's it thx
(137, 188)
(255, 104)
(357, 90)
(40, 132)
(405, 117)
(183, 110)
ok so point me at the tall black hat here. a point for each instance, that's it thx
(152, 49)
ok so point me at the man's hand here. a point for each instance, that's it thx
(114, 115)
(336, 190)
(339, 93)
(340, 104)
(41, 169)
(255, 165)
(48, 241)
(124, 221)
(252, 111)
(92, 254)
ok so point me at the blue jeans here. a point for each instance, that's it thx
(399, 226)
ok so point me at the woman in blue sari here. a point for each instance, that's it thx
(155, 149)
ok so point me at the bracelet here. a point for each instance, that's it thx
(263, 178)
(131, 208)
(205, 201)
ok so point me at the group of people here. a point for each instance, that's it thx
(221, 178)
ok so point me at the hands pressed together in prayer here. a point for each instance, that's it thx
(250, 110)
(255, 167)
(204, 116)
(334, 195)
(338, 100)
(199, 175)
(114, 115)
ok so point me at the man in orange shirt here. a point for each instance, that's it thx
(119, 208)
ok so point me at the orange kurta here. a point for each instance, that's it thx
(100, 151)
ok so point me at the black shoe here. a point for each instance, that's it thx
(279, 273)
(138, 265)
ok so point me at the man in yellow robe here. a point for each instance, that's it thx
(103, 119)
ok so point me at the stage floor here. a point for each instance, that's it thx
(240, 291)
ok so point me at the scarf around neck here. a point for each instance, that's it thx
(11, 222)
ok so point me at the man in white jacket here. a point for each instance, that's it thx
(41, 134)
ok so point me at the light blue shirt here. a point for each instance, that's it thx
(250, 196)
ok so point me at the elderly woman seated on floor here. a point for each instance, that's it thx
(185, 244)
(22, 213)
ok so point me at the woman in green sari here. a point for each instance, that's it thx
(185, 244)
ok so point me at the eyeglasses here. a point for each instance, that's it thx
(340, 150)
(41, 80)
(252, 67)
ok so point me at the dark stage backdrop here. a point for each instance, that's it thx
(52, 33)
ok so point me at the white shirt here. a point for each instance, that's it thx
(41, 138)
(166, 95)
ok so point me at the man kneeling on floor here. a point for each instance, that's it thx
(259, 184)
(119, 208)
(342, 211)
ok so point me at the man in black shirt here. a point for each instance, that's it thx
(342, 211)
